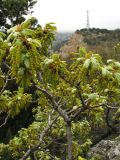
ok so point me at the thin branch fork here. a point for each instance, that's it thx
(77, 87)
(56, 107)
(6, 82)
(41, 140)
(80, 110)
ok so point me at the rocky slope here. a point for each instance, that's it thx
(100, 41)
(106, 150)
(72, 45)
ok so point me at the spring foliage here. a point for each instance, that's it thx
(87, 85)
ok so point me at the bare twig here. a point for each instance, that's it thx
(7, 66)
(95, 106)
(6, 119)
(60, 100)
(111, 107)
(6, 82)
(49, 116)
(73, 110)
(40, 76)
(77, 113)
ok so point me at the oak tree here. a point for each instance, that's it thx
(67, 101)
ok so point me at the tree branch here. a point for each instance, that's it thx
(6, 119)
(49, 116)
(77, 112)
(42, 135)
(7, 66)
(77, 87)
(80, 95)
(6, 82)
(69, 140)
(56, 107)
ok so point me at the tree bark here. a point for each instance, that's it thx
(69, 141)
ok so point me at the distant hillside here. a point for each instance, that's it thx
(98, 40)
(76, 41)
(60, 39)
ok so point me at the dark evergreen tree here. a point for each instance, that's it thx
(13, 11)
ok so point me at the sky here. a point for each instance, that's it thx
(70, 15)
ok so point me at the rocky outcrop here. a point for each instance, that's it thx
(106, 150)
(72, 45)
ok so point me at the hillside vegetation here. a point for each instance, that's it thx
(60, 39)
(101, 41)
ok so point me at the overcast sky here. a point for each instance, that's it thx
(70, 15)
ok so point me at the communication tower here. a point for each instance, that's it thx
(87, 24)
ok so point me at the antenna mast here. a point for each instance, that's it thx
(87, 25)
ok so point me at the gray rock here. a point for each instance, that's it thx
(106, 150)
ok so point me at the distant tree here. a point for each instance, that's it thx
(77, 31)
(12, 12)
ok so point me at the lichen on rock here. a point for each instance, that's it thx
(106, 150)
